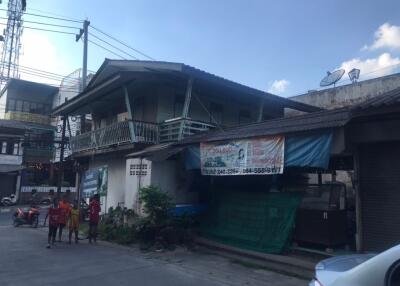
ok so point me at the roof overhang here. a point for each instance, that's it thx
(90, 94)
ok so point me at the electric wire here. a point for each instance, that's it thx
(100, 46)
(44, 16)
(122, 43)
(104, 41)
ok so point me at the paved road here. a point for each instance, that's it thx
(26, 261)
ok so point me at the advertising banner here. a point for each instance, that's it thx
(95, 182)
(258, 156)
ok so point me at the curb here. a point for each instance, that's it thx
(279, 263)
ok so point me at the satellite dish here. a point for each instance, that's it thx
(354, 74)
(332, 77)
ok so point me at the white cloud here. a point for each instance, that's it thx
(278, 86)
(373, 67)
(387, 36)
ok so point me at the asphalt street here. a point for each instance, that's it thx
(26, 261)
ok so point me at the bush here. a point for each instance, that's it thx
(157, 205)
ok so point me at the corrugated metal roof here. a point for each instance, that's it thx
(300, 123)
(386, 99)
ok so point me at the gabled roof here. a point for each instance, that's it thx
(113, 68)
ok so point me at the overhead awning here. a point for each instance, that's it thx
(159, 152)
(10, 168)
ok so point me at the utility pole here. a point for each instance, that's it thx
(61, 170)
(84, 32)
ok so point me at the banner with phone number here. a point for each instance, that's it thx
(258, 156)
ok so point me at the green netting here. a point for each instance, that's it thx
(257, 221)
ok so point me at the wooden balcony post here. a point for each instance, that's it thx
(261, 110)
(129, 108)
(185, 110)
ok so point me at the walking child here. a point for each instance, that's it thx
(65, 208)
(94, 217)
(54, 217)
(74, 221)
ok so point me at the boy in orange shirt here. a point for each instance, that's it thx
(65, 208)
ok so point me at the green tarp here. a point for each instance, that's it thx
(256, 221)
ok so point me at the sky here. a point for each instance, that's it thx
(284, 47)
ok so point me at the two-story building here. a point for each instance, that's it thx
(135, 104)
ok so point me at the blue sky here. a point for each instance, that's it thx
(282, 46)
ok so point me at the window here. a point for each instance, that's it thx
(18, 105)
(216, 111)
(4, 147)
(11, 105)
(244, 116)
(33, 108)
(26, 106)
(178, 105)
(16, 147)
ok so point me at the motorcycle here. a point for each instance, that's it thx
(9, 201)
(28, 216)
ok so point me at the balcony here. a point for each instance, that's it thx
(38, 154)
(178, 128)
(145, 132)
(27, 117)
(115, 134)
(7, 159)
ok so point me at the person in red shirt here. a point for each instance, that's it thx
(54, 218)
(94, 217)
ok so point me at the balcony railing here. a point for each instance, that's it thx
(28, 117)
(145, 132)
(39, 154)
(179, 128)
(7, 159)
(115, 134)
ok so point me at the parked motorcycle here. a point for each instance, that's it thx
(9, 201)
(28, 216)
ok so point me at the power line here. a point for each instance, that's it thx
(100, 46)
(43, 23)
(47, 30)
(112, 46)
(122, 43)
(44, 16)
(54, 14)
(62, 77)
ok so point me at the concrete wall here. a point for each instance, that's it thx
(116, 178)
(136, 177)
(349, 94)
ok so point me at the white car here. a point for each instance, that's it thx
(360, 270)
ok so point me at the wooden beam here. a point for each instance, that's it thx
(129, 109)
(359, 230)
(261, 110)
(186, 105)
(188, 96)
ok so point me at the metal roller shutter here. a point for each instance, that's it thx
(380, 195)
